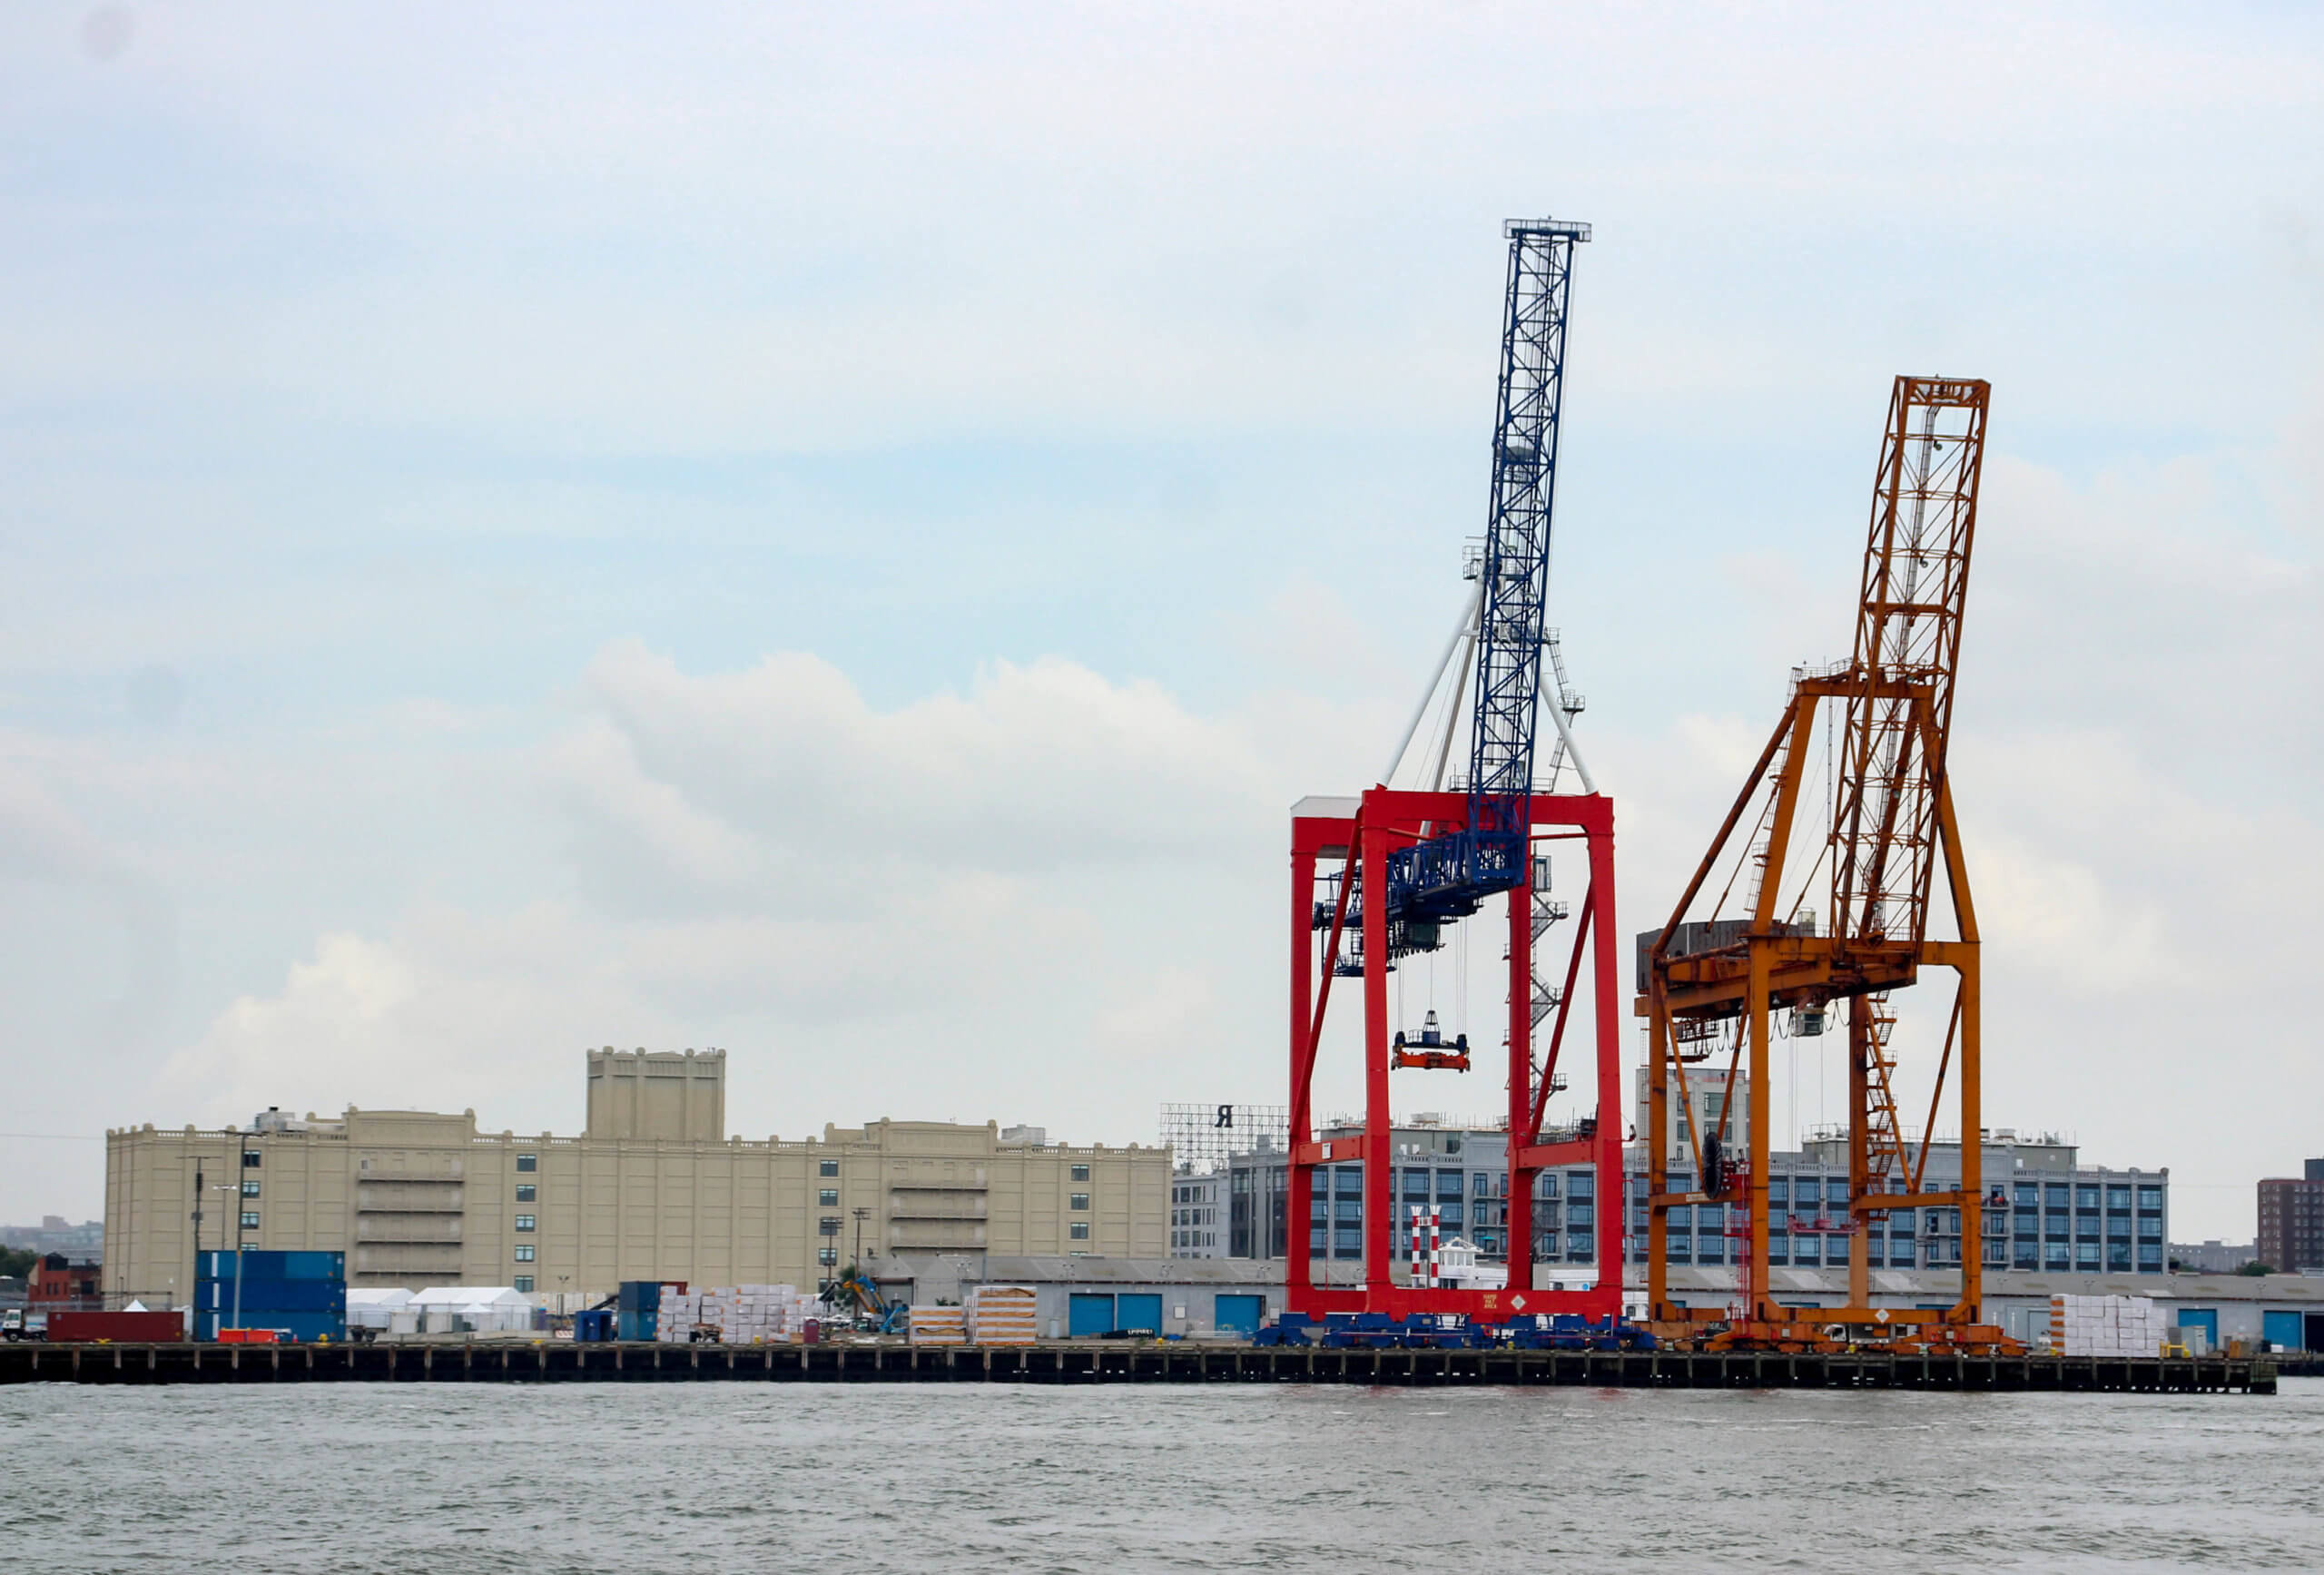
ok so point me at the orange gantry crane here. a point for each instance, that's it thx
(1710, 985)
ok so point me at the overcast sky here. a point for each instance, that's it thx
(839, 532)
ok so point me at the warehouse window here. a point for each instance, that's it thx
(527, 1191)
(528, 1162)
(827, 1167)
(828, 1197)
(1080, 1200)
(827, 1225)
(525, 1253)
(524, 1222)
(1078, 1230)
(1080, 1173)
(251, 1158)
(249, 1219)
(827, 1256)
(249, 1188)
(524, 1283)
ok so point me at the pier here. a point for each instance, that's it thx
(561, 1361)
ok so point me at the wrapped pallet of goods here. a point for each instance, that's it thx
(2105, 1326)
(680, 1312)
(940, 1326)
(1003, 1314)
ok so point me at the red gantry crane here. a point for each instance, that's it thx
(1711, 985)
(1411, 864)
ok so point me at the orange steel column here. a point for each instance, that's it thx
(1759, 1030)
(1973, 1150)
(1658, 1163)
(1376, 1238)
(1517, 1227)
(1859, 1149)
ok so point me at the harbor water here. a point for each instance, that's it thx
(449, 1480)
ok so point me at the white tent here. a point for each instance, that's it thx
(478, 1309)
(375, 1309)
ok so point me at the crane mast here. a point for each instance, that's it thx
(1712, 984)
(1448, 875)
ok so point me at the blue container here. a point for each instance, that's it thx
(280, 1295)
(636, 1325)
(273, 1265)
(639, 1296)
(594, 1325)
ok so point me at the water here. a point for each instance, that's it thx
(712, 1478)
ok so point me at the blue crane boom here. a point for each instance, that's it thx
(1449, 875)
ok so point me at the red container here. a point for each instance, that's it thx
(140, 1327)
(248, 1337)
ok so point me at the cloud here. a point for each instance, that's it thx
(1036, 891)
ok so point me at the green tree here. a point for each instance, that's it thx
(17, 1263)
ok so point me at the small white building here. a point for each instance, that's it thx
(1457, 1266)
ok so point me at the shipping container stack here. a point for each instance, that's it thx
(635, 1309)
(300, 1295)
(940, 1326)
(2107, 1326)
(1003, 1314)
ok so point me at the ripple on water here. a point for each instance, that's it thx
(718, 1477)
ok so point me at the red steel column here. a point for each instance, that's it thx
(1377, 1233)
(1605, 1011)
(1298, 1274)
(1518, 1225)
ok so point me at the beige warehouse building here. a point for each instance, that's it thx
(653, 1189)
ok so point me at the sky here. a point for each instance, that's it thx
(838, 533)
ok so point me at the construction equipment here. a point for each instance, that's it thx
(1709, 986)
(1432, 857)
(859, 1292)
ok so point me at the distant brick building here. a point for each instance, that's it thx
(57, 1282)
(2291, 1221)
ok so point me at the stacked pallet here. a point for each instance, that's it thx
(756, 1315)
(676, 1314)
(1003, 1314)
(2105, 1326)
(940, 1326)
(742, 1314)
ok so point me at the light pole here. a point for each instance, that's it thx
(235, 1187)
(240, 1213)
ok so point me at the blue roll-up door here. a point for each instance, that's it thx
(2203, 1318)
(1090, 1313)
(1242, 1314)
(1140, 1310)
(2283, 1329)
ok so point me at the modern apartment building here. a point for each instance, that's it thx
(652, 1189)
(2291, 1221)
(1197, 1219)
(2045, 1211)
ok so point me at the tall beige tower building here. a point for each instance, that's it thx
(653, 1189)
(639, 1094)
